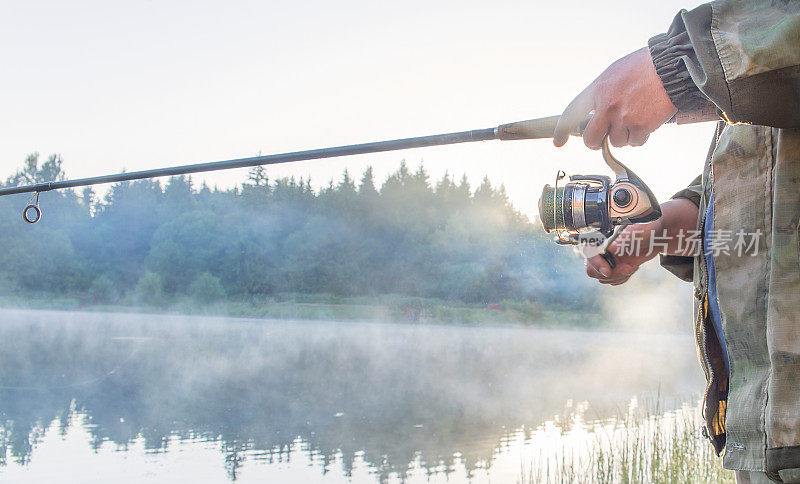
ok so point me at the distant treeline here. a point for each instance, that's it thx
(148, 243)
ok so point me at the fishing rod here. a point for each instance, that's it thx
(530, 129)
(584, 206)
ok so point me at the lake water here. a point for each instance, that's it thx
(93, 397)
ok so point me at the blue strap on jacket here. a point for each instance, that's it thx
(713, 300)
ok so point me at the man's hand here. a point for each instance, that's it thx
(636, 239)
(677, 222)
(628, 100)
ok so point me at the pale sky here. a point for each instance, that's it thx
(146, 84)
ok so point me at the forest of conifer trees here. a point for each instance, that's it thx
(150, 242)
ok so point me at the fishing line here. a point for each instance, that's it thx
(90, 381)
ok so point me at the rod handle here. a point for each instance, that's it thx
(530, 129)
(534, 128)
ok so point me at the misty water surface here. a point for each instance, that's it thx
(133, 398)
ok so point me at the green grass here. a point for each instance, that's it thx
(641, 446)
(385, 308)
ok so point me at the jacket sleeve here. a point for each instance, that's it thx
(693, 192)
(683, 267)
(743, 56)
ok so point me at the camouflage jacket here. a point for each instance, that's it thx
(744, 57)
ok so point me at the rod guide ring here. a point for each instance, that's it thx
(32, 213)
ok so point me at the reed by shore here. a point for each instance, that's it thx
(644, 444)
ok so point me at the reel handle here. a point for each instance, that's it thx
(609, 257)
(604, 253)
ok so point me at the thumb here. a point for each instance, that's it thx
(573, 116)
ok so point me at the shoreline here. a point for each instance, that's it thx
(549, 320)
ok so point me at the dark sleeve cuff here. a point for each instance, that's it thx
(693, 192)
(689, 194)
(670, 53)
(679, 266)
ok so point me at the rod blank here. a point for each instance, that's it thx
(530, 129)
(358, 149)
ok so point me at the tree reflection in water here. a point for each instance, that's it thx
(387, 393)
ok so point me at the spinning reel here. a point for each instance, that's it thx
(589, 204)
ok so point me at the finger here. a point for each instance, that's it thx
(625, 270)
(622, 271)
(623, 281)
(618, 135)
(638, 137)
(573, 116)
(613, 280)
(601, 266)
(596, 130)
(592, 272)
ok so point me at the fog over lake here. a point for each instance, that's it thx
(97, 397)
